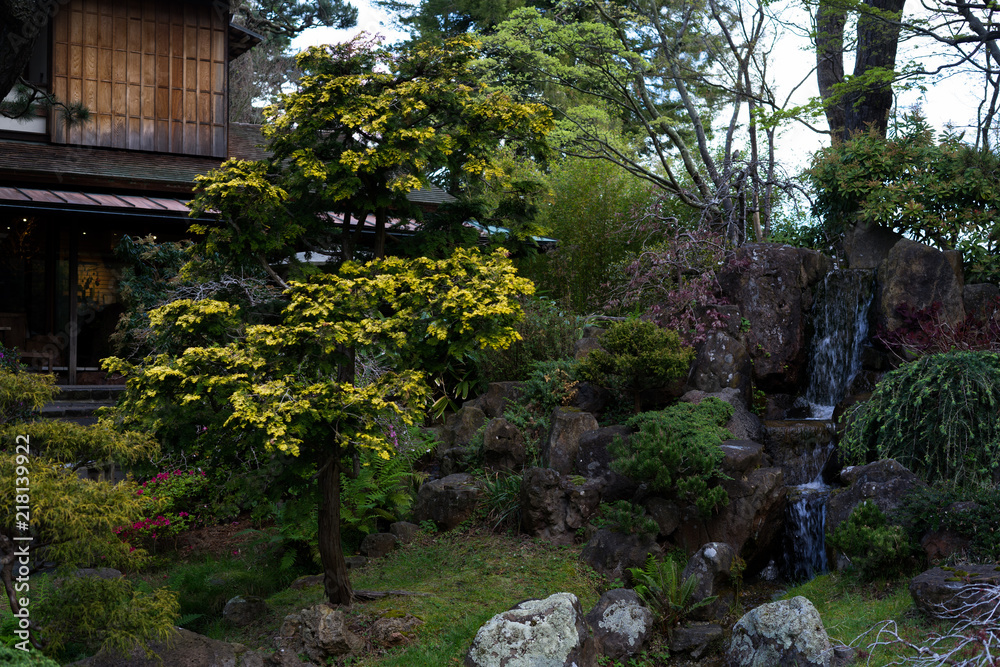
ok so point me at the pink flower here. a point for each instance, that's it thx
(139, 492)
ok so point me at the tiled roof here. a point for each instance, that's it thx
(85, 201)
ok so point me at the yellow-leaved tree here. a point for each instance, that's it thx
(289, 387)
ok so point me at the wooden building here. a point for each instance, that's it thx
(153, 74)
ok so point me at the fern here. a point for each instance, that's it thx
(660, 586)
(384, 489)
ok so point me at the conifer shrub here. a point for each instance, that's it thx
(937, 416)
(876, 548)
(637, 355)
(676, 451)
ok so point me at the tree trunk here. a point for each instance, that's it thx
(20, 23)
(830, 18)
(869, 107)
(381, 216)
(335, 581)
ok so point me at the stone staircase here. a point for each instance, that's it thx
(79, 403)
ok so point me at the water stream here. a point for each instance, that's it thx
(840, 331)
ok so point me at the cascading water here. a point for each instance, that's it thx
(841, 329)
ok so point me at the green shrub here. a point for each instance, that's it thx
(937, 416)
(503, 500)
(637, 355)
(10, 657)
(875, 548)
(677, 451)
(547, 334)
(934, 508)
(22, 393)
(627, 518)
(660, 586)
(383, 490)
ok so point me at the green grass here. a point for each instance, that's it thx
(850, 609)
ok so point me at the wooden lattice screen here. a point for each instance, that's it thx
(151, 72)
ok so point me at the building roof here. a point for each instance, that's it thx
(91, 202)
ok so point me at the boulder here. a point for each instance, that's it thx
(554, 506)
(549, 632)
(919, 276)
(722, 362)
(460, 427)
(800, 448)
(244, 610)
(563, 442)
(590, 398)
(585, 346)
(772, 285)
(787, 633)
(744, 425)
(884, 482)
(711, 566)
(665, 513)
(620, 623)
(694, 638)
(319, 632)
(503, 445)
(751, 523)
(593, 460)
(497, 396)
(378, 545)
(404, 531)
(394, 629)
(354, 562)
(454, 460)
(940, 544)
(183, 649)
(948, 593)
(447, 501)
(741, 457)
(982, 301)
(612, 554)
(865, 247)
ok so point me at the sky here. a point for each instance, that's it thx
(952, 101)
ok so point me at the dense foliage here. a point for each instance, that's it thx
(941, 192)
(876, 548)
(636, 356)
(676, 451)
(968, 512)
(936, 416)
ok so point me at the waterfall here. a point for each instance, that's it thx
(840, 326)
(805, 548)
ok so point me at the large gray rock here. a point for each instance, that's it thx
(772, 285)
(612, 554)
(722, 362)
(319, 632)
(555, 506)
(866, 247)
(785, 633)
(982, 301)
(378, 545)
(711, 566)
(621, 624)
(243, 610)
(460, 427)
(744, 425)
(751, 523)
(594, 460)
(563, 442)
(948, 593)
(741, 457)
(884, 482)
(503, 445)
(447, 501)
(183, 649)
(694, 638)
(550, 632)
(590, 398)
(919, 276)
(404, 531)
(498, 395)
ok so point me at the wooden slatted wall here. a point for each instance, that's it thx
(151, 72)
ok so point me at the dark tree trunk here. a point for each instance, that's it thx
(20, 23)
(335, 581)
(869, 106)
(830, 18)
(381, 215)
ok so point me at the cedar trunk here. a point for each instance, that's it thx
(335, 582)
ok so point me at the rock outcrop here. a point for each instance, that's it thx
(919, 276)
(787, 633)
(620, 623)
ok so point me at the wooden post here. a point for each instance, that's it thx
(74, 326)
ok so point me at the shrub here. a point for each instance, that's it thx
(636, 356)
(677, 451)
(937, 507)
(22, 394)
(924, 332)
(503, 500)
(660, 586)
(936, 415)
(547, 333)
(627, 518)
(876, 548)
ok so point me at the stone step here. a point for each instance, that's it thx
(60, 409)
(89, 392)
